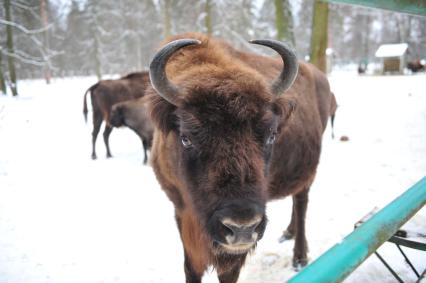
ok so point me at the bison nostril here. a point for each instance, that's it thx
(241, 233)
(228, 228)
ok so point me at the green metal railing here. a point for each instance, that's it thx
(339, 261)
(413, 7)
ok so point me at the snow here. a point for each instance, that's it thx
(66, 218)
(391, 50)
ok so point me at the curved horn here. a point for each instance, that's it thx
(289, 73)
(157, 70)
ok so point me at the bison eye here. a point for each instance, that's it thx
(186, 141)
(272, 138)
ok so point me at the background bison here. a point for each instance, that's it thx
(227, 141)
(133, 114)
(106, 93)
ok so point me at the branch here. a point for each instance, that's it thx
(25, 7)
(32, 61)
(24, 29)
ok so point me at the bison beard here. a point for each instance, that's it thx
(227, 141)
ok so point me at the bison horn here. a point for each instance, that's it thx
(289, 73)
(157, 70)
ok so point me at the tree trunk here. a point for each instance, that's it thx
(208, 19)
(44, 20)
(284, 21)
(319, 35)
(167, 18)
(98, 67)
(2, 82)
(10, 49)
(96, 45)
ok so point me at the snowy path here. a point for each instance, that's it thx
(65, 218)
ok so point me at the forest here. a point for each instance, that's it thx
(61, 38)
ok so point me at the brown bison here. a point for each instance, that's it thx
(415, 66)
(133, 114)
(233, 131)
(106, 93)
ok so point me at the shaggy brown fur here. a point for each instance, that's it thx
(232, 146)
(133, 114)
(105, 94)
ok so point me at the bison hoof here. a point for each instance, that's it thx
(94, 156)
(109, 156)
(299, 263)
(287, 235)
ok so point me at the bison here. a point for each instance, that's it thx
(234, 130)
(104, 94)
(133, 114)
(415, 66)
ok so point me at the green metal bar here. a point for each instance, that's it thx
(413, 7)
(339, 261)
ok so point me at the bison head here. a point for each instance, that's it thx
(221, 118)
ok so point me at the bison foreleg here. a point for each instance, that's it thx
(300, 200)
(97, 122)
(107, 132)
(190, 274)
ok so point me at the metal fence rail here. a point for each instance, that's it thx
(343, 258)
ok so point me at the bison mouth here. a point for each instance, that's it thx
(235, 249)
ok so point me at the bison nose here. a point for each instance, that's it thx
(241, 233)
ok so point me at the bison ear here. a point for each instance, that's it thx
(284, 108)
(162, 113)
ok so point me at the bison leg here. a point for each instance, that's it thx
(107, 132)
(300, 200)
(190, 274)
(145, 146)
(97, 122)
(193, 272)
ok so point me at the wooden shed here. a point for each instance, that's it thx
(393, 57)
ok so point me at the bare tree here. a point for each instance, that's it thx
(2, 82)
(44, 19)
(10, 49)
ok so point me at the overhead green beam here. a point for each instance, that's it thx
(339, 261)
(413, 7)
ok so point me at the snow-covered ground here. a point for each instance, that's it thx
(65, 218)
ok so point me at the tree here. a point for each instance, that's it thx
(284, 21)
(2, 81)
(167, 18)
(208, 16)
(319, 37)
(10, 49)
(44, 19)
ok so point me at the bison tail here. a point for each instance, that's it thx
(85, 100)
